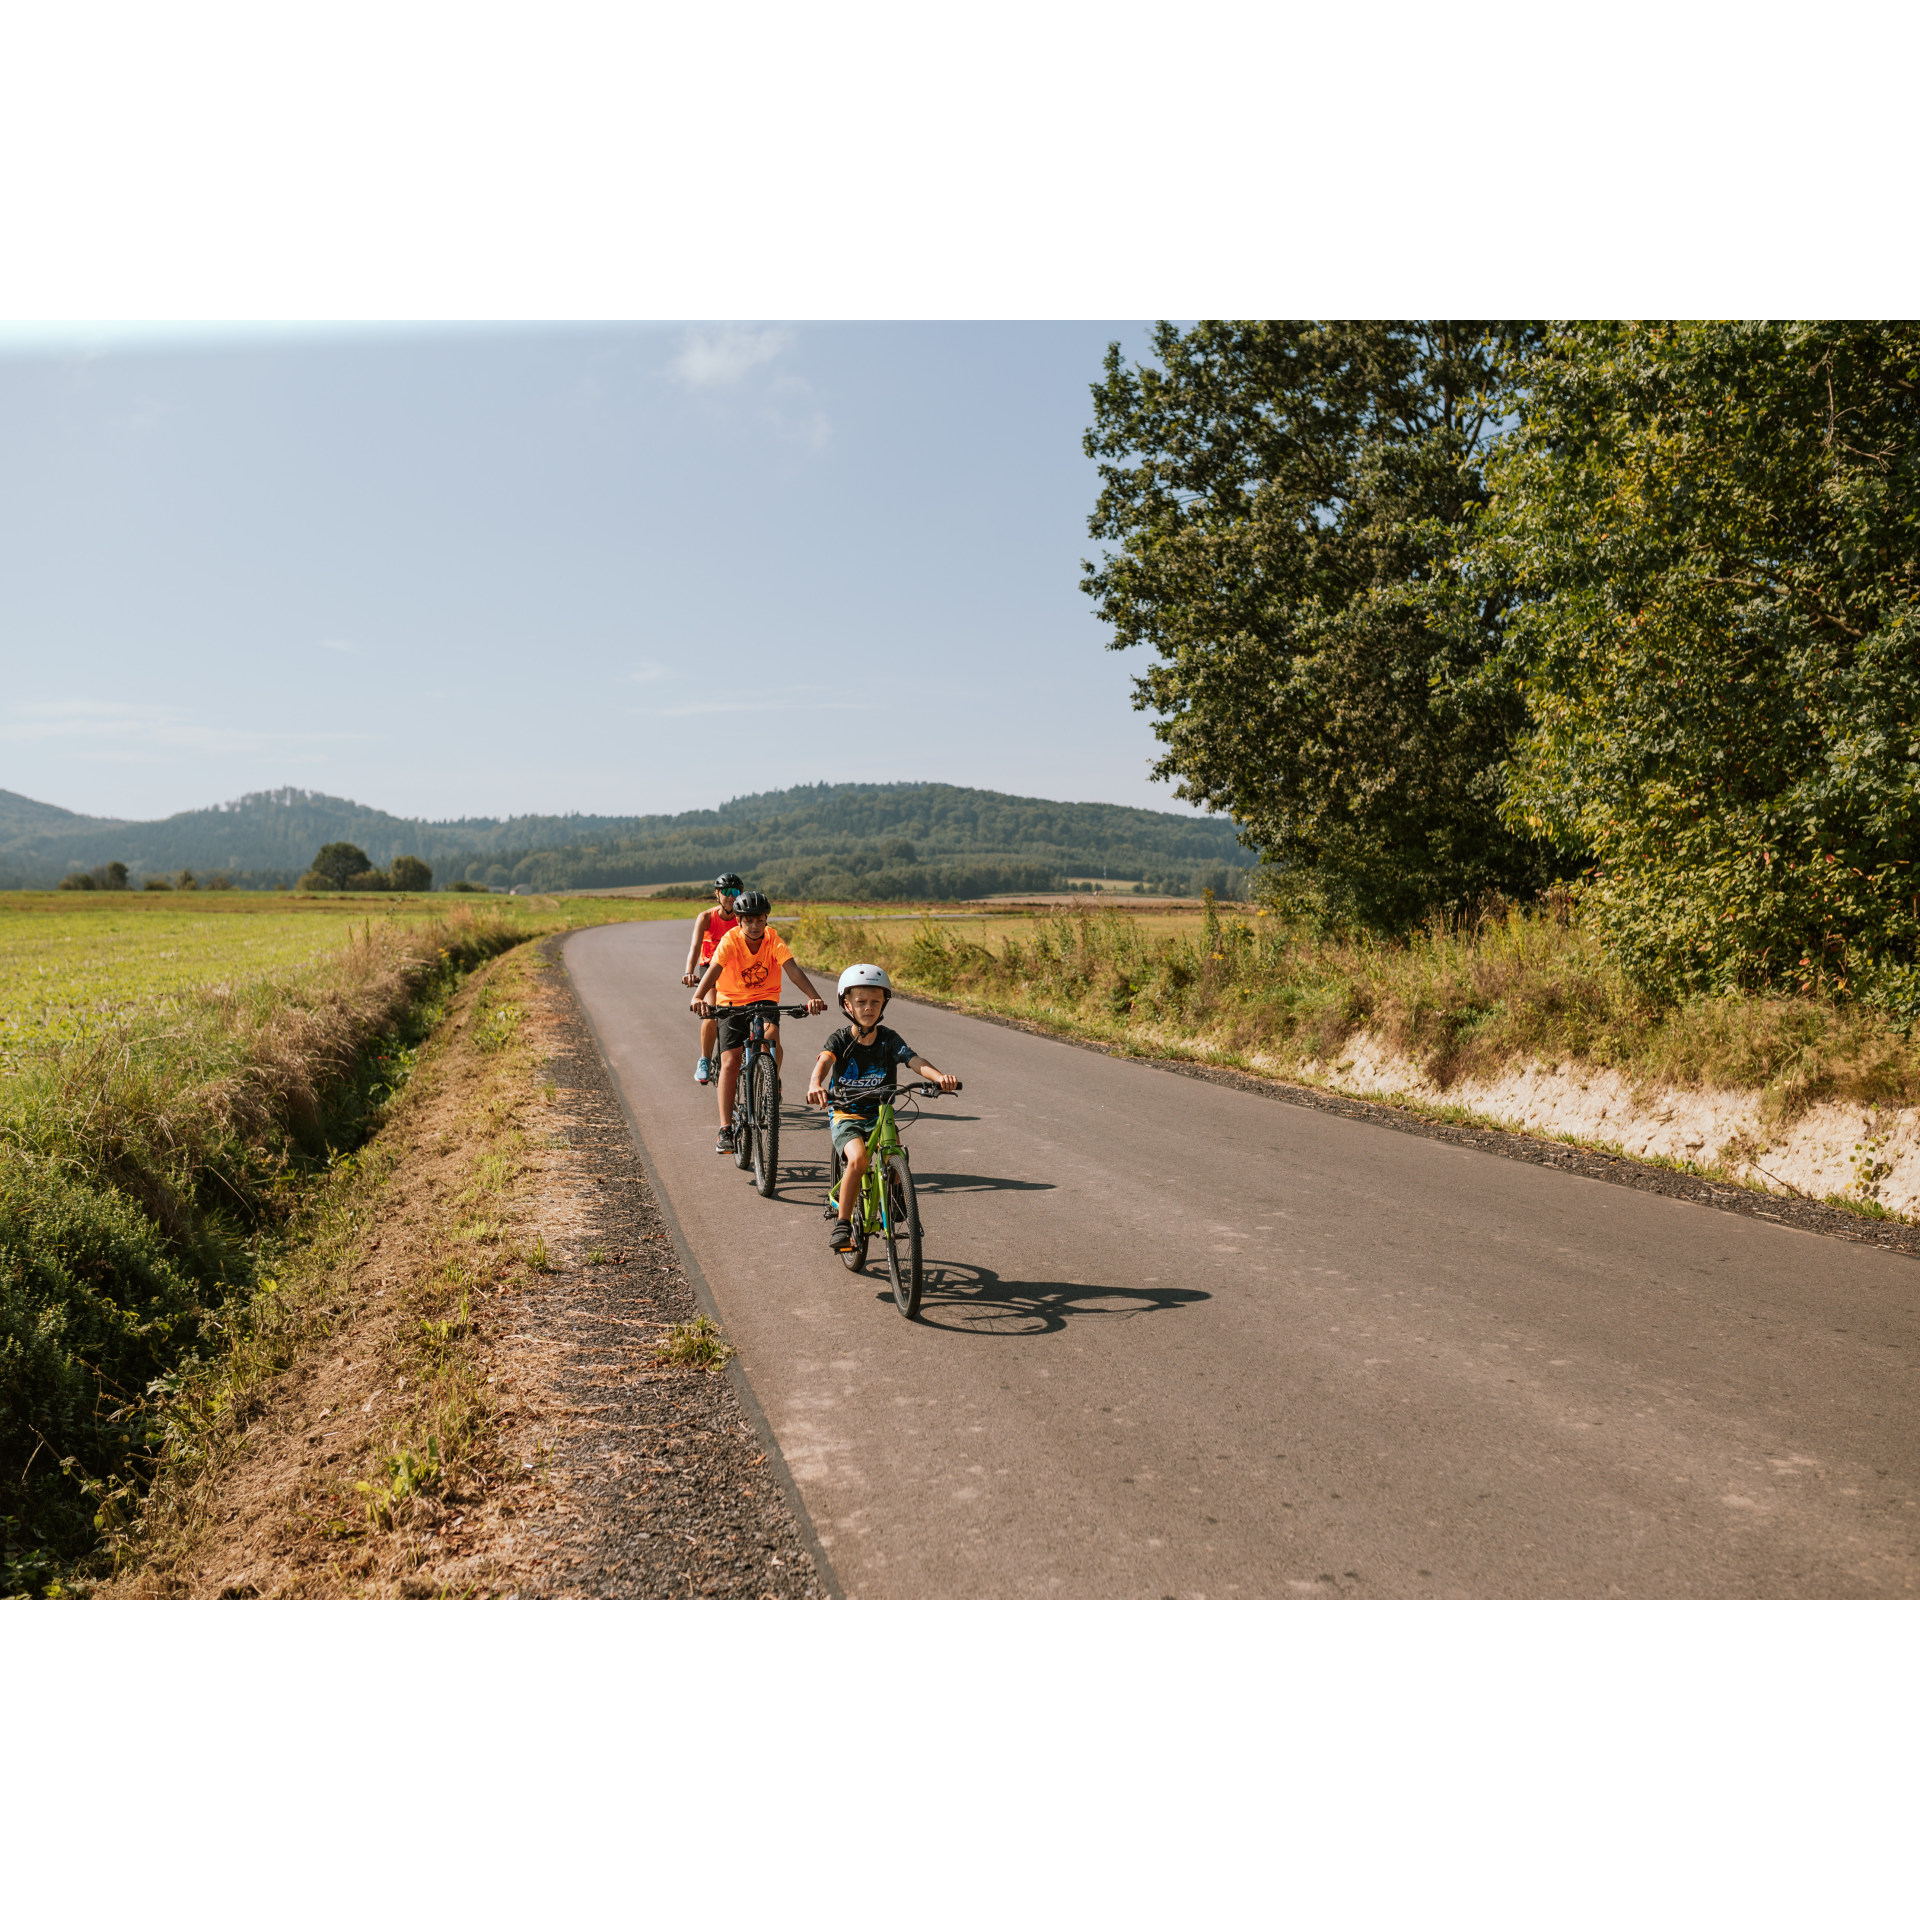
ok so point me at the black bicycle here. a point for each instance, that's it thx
(756, 1101)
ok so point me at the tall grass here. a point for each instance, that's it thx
(144, 1174)
(1461, 1001)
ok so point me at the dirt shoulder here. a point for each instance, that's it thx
(478, 1408)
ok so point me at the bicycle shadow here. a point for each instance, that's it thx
(951, 1183)
(960, 1297)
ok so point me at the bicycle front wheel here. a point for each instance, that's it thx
(766, 1125)
(903, 1235)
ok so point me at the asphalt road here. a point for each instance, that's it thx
(1181, 1340)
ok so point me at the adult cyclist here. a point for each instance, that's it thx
(713, 926)
(744, 977)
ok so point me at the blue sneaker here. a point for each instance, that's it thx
(703, 1073)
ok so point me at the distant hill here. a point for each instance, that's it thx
(875, 842)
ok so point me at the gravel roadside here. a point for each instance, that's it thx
(657, 1482)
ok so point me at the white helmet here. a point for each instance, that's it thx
(864, 974)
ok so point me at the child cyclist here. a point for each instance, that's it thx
(744, 974)
(859, 1062)
(713, 926)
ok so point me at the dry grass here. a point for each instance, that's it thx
(1248, 987)
(353, 1413)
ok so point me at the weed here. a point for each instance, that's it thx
(692, 1343)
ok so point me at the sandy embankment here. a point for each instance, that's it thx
(1835, 1150)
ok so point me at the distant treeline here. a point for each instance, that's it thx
(816, 842)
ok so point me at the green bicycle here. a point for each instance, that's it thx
(887, 1209)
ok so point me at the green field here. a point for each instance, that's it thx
(74, 964)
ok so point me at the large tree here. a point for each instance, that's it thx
(1716, 528)
(1284, 506)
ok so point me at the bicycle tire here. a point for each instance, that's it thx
(903, 1235)
(766, 1125)
(743, 1117)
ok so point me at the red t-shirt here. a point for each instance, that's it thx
(719, 925)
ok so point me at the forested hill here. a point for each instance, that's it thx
(897, 842)
(263, 837)
(921, 841)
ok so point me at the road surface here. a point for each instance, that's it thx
(1183, 1340)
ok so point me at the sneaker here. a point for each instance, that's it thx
(725, 1143)
(841, 1238)
(703, 1071)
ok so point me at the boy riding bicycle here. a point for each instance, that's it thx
(713, 926)
(743, 978)
(859, 1061)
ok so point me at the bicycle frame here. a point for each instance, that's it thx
(882, 1144)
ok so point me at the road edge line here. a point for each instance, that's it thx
(697, 1280)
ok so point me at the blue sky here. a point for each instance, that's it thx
(613, 568)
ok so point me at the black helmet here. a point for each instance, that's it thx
(728, 883)
(751, 903)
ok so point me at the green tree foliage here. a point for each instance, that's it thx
(111, 876)
(1285, 503)
(339, 861)
(1717, 531)
(409, 875)
(78, 883)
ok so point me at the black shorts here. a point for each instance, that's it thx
(734, 1021)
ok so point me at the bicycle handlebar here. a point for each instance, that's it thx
(798, 1013)
(924, 1090)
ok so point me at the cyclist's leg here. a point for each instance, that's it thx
(710, 1039)
(729, 1079)
(855, 1174)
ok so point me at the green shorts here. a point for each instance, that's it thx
(852, 1126)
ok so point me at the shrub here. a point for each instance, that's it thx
(410, 875)
(154, 884)
(78, 883)
(371, 880)
(466, 886)
(317, 883)
(111, 877)
(221, 883)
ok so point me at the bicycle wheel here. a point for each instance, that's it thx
(743, 1116)
(903, 1236)
(766, 1125)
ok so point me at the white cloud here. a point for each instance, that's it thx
(650, 671)
(725, 358)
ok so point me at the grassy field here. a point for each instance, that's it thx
(73, 965)
(180, 1080)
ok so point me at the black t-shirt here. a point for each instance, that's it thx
(862, 1074)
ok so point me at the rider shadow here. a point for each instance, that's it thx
(959, 1297)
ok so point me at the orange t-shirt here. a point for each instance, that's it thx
(746, 976)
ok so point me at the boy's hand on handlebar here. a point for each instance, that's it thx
(816, 1005)
(946, 1083)
(700, 1007)
(686, 979)
(816, 1096)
